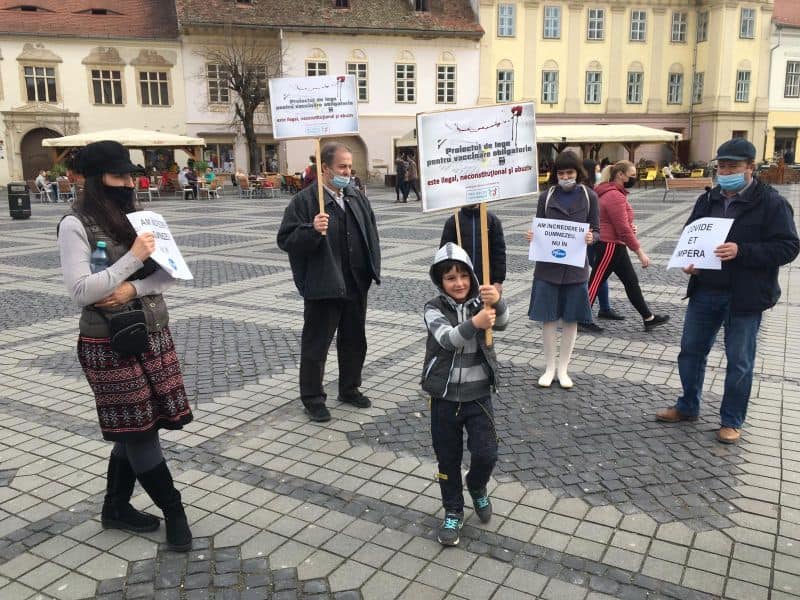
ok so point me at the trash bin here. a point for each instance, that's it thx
(19, 201)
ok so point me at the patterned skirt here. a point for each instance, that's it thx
(135, 395)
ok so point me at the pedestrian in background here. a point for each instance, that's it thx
(617, 234)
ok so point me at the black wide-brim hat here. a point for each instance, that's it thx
(104, 157)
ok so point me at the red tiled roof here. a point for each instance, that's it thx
(451, 18)
(786, 12)
(151, 19)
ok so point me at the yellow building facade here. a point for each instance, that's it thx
(696, 67)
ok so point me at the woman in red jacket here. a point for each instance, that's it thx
(617, 234)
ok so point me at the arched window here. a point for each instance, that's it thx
(505, 81)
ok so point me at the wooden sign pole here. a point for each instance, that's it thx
(458, 230)
(487, 277)
(320, 190)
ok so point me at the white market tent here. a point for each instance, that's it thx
(630, 136)
(130, 138)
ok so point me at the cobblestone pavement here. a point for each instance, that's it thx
(593, 500)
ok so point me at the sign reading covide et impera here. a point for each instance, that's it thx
(315, 107)
(477, 155)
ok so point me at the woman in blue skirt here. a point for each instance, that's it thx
(560, 291)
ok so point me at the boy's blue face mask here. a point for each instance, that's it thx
(732, 182)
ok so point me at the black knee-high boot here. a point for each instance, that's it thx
(117, 510)
(158, 483)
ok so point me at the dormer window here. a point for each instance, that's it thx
(341, 3)
(422, 5)
(97, 11)
(28, 8)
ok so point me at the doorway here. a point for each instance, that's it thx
(34, 157)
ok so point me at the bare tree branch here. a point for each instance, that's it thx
(246, 61)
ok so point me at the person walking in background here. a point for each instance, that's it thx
(559, 291)
(412, 178)
(400, 168)
(593, 177)
(335, 256)
(617, 234)
(763, 237)
(459, 373)
(135, 394)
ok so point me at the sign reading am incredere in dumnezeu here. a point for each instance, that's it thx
(313, 107)
(477, 155)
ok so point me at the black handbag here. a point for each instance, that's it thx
(128, 332)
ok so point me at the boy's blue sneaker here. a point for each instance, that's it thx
(449, 530)
(482, 505)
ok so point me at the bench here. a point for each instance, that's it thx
(686, 183)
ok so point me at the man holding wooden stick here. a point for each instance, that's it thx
(335, 256)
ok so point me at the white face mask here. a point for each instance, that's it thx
(567, 184)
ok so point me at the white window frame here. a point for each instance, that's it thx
(405, 83)
(638, 32)
(552, 23)
(316, 67)
(743, 78)
(675, 88)
(698, 86)
(596, 24)
(217, 84)
(680, 26)
(106, 79)
(635, 87)
(747, 23)
(360, 70)
(505, 85)
(45, 72)
(594, 87)
(550, 87)
(506, 20)
(791, 84)
(702, 26)
(445, 84)
(161, 85)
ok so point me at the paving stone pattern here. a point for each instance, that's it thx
(592, 499)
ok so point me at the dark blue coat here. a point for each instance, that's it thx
(767, 238)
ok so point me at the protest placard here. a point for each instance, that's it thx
(167, 254)
(476, 155)
(314, 107)
(558, 241)
(697, 242)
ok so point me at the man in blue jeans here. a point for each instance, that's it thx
(762, 238)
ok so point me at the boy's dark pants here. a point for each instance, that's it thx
(448, 421)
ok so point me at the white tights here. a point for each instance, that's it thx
(569, 331)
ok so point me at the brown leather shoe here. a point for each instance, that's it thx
(728, 435)
(673, 415)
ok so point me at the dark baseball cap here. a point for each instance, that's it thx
(104, 157)
(736, 149)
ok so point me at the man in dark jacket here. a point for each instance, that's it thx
(469, 222)
(762, 238)
(335, 256)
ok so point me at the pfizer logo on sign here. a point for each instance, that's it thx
(559, 253)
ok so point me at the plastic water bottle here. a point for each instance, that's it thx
(99, 260)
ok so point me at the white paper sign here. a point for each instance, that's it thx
(477, 155)
(315, 107)
(558, 241)
(167, 254)
(697, 243)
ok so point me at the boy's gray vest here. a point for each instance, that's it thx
(92, 324)
(439, 361)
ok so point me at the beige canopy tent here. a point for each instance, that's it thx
(561, 136)
(130, 138)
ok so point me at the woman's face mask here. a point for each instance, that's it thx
(122, 195)
(567, 184)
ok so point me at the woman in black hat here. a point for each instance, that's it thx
(138, 394)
